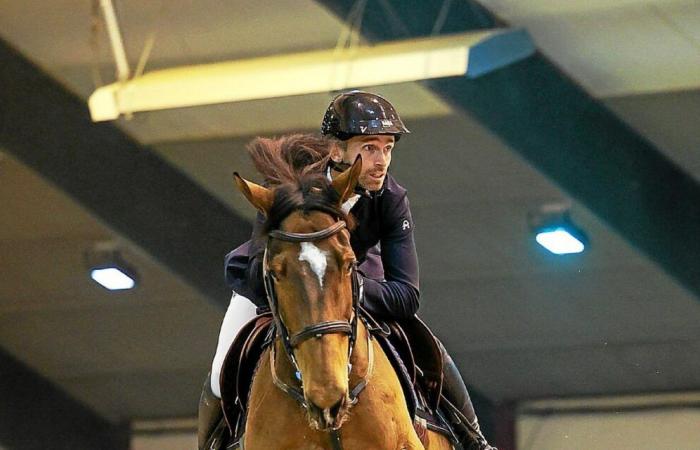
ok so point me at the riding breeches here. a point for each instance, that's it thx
(239, 312)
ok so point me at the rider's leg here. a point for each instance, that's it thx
(455, 391)
(239, 312)
(210, 413)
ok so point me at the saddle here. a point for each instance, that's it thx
(410, 346)
(417, 358)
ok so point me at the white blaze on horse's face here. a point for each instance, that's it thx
(316, 259)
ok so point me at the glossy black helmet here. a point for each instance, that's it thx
(357, 112)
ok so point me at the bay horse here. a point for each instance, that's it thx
(325, 382)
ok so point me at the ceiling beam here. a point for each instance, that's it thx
(126, 185)
(36, 415)
(566, 134)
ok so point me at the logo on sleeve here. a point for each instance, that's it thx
(405, 225)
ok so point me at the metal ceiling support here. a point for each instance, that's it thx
(127, 186)
(115, 40)
(570, 137)
(35, 415)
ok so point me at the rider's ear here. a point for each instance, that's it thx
(259, 196)
(336, 153)
(344, 184)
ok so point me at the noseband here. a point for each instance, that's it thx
(315, 330)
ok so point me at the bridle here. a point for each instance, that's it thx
(290, 342)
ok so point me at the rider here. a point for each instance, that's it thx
(365, 124)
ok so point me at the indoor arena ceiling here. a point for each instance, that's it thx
(623, 317)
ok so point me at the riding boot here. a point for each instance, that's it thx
(210, 414)
(455, 392)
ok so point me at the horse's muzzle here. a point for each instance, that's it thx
(331, 418)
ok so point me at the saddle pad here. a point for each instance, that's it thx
(239, 367)
(426, 351)
(399, 348)
(413, 349)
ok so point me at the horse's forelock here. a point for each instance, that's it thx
(309, 192)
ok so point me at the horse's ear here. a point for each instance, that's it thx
(259, 196)
(344, 184)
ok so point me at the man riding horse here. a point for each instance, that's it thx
(363, 124)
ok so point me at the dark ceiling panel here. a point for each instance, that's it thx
(35, 415)
(570, 137)
(126, 185)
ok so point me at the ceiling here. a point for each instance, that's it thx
(520, 323)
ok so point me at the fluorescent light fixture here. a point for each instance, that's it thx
(559, 241)
(107, 267)
(112, 278)
(468, 54)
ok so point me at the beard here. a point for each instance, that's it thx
(372, 183)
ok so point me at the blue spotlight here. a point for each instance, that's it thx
(553, 229)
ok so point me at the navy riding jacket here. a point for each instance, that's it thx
(384, 247)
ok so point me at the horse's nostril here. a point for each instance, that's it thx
(326, 418)
(314, 410)
(335, 409)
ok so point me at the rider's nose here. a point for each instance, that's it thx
(380, 160)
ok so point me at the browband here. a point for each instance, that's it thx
(308, 237)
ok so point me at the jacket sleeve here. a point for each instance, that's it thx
(397, 296)
(244, 267)
(254, 273)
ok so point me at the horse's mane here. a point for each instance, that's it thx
(287, 158)
(295, 166)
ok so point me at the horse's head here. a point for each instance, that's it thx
(309, 269)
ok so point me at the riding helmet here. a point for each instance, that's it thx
(360, 113)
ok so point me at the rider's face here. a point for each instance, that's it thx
(376, 157)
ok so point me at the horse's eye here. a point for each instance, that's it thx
(275, 273)
(276, 269)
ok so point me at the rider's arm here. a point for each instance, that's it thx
(398, 295)
(244, 267)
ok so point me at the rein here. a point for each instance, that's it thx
(315, 330)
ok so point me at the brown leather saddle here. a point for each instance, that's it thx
(416, 355)
(410, 346)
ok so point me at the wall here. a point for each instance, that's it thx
(651, 425)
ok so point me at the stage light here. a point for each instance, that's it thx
(112, 278)
(555, 231)
(108, 268)
(559, 241)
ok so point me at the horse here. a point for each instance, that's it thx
(324, 382)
